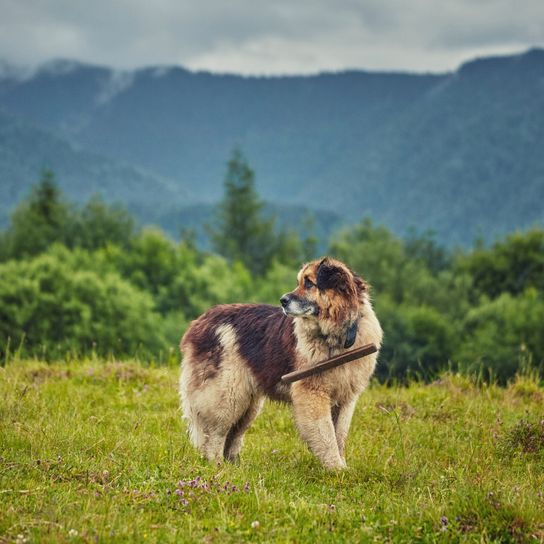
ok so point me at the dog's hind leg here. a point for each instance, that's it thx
(205, 414)
(214, 444)
(235, 436)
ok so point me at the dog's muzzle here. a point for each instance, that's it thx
(295, 306)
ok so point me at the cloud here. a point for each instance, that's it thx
(269, 37)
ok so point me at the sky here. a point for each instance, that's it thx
(269, 37)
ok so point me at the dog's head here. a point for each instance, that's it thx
(327, 290)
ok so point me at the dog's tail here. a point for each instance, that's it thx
(187, 407)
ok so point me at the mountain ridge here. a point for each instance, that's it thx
(426, 150)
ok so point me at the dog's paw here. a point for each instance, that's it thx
(234, 459)
(338, 464)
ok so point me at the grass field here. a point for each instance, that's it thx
(97, 451)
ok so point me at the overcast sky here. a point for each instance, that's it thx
(271, 36)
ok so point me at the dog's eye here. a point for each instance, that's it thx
(308, 283)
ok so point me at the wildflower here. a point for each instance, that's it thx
(72, 533)
(246, 487)
(444, 524)
(255, 524)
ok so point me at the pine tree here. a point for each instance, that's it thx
(241, 231)
(41, 219)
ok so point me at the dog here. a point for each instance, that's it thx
(235, 354)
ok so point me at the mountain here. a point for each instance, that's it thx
(459, 153)
(25, 151)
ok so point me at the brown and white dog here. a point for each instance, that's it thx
(234, 356)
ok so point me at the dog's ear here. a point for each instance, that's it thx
(330, 276)
(360, 284)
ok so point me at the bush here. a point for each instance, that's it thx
(418, 341)
(50, 306)
(180, 278)
(504, 334)
(511, 265)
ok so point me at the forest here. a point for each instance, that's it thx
(88, 281)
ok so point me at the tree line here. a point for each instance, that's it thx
(86, 280)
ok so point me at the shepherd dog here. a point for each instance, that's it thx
(234, 356)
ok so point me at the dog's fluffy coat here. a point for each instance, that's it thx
(234, 356)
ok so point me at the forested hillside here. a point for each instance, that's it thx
(78, 280)
(25, 151)
(458, 152)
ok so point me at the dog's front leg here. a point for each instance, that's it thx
(341, 418)
(312, 409)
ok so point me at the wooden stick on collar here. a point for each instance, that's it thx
(327, 364)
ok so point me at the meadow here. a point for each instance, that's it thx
(96, 451)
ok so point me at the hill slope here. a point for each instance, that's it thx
(25, 151)
(408, 481)
(458, 153)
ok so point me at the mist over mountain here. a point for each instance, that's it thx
(26, 150)
(459, 153)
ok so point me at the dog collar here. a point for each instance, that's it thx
(351, 335)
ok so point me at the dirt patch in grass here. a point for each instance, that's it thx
(403, 409)
(41, 374)
(455, 383)
(526, 389)
(526, 436)
(124, 372)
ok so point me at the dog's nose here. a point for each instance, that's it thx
(284, 300)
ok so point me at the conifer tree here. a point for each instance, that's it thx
(241, 231)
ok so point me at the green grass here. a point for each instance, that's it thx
(94, 451)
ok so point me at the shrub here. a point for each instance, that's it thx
(503, 334)
(52, 306)
(417, 341)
